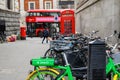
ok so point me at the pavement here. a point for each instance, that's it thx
(15, 57)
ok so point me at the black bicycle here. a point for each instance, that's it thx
(2, 37)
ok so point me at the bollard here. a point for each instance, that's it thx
(96, 61)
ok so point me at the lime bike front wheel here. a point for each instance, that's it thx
(45, 73)
(115, 77)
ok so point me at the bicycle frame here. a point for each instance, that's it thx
(67, 71)
(111, 67)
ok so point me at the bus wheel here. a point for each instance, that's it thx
(40, 34)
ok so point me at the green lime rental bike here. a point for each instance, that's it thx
(112, 68)
(52, 69)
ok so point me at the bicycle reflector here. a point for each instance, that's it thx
(42, 62)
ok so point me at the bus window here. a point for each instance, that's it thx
(58, 14)
(54, 14)
(41, 14)
(35, 14)
(45, 14)
(38, 14)
(27, 14)
(30, 14)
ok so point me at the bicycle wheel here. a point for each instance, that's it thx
(49, 53)
(115, 77)
(1, 40)
(46, 73)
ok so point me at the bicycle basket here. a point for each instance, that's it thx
(74, 59)
(59, 43)
(116, 58)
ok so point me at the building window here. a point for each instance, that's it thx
(31, 5)
(48, 5)
(8, 4)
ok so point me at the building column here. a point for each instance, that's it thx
(55, 4)
(16, 6)
(41, 4)
(22, 13)
(21, 5)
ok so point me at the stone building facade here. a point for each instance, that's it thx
(45, 4)
(9, 5)
(9, 16)
(102, 15)
(39, 4)
(66, 4)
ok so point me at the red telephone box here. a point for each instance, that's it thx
(67, 22)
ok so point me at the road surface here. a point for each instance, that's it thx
(15, 57)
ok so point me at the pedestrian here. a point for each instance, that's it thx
(45, 35)
(30, 31)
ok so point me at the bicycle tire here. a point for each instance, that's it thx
(1, 40)
(50, 53)
(46, 72)
(115, 77)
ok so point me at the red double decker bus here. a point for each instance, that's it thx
(57, 21)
